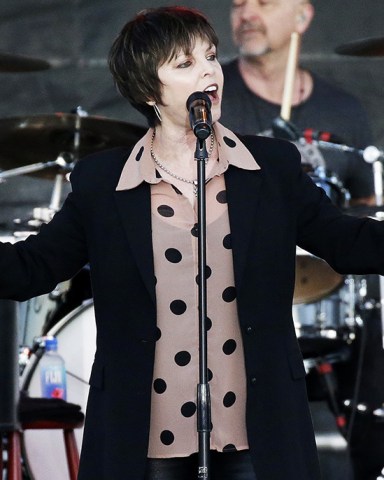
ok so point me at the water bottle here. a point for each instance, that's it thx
(52, 372)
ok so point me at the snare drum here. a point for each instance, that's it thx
(43, 450)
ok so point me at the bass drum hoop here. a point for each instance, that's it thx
(44, 450)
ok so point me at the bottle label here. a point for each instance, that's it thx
(53, 382)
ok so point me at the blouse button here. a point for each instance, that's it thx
(253, 381)
(249, 330)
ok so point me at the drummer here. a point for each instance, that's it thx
(255, 81)
(254, 86)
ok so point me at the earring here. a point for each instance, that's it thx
(157, 111)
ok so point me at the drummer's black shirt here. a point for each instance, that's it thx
(328, 109)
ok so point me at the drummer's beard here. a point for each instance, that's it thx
(252, 48)
(254, 54)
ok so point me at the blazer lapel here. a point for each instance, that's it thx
(243, 194)
(134, 207)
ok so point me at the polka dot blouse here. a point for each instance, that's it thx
(173, 430)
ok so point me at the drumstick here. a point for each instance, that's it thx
(289, 83)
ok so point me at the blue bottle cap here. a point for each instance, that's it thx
(50, 343)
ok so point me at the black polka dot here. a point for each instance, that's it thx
(165, 211)
(229, 399)
(208, 323)
(227, 242)
(167, 437)
(173, 255)
(159, 385)
(139, 154)
(182, 358)
(231, 143)
(229, 294)
(188, 409)
(157, 334)
(221, 197)
(229, 347)
(208, 273)
(230, 448)
(195, 230)
(178, 307)
(210, 375)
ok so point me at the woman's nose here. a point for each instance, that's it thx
(207, 68)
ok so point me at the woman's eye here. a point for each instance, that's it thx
(212, 57)
(184, 64)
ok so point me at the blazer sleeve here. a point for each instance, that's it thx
(349, 244)
(36, 265)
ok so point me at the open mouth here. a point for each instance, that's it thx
(212, 92)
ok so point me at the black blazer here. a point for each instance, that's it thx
(270, 211)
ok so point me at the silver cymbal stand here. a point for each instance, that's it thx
(65, 162)
(373, 155)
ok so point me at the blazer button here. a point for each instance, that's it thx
(253, 381)
(249, 330)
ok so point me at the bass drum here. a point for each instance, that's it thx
(43, 450)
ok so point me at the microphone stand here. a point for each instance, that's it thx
(203, 394)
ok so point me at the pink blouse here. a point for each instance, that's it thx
(173, 431)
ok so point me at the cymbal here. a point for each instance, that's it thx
(367, 47)
(41, 138)
(18, 63)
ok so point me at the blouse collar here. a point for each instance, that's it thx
(140, 167)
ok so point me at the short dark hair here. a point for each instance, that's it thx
(145, 43)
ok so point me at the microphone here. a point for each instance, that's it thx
(199, 107)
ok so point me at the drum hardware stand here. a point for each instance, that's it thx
(64, 161)
(373, 155)
(9, 370)
(324, 368)
(286, 130)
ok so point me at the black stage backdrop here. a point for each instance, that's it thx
(75, 36)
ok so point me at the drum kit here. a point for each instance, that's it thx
(327, 306)
(331, 311)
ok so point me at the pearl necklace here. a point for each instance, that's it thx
(165, 169)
